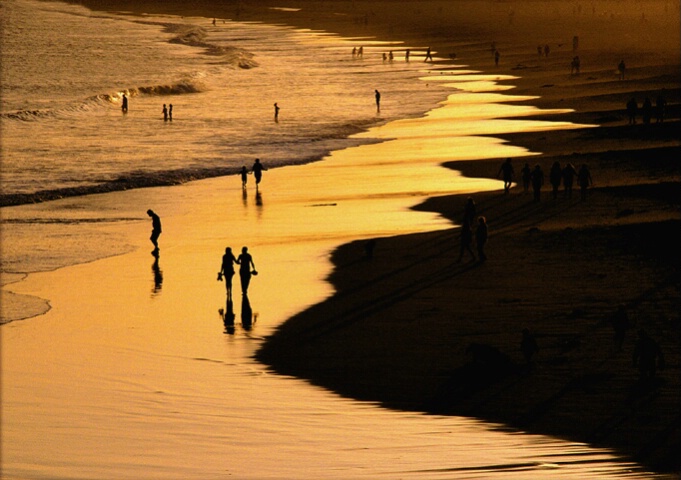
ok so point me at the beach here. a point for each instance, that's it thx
(409, 328)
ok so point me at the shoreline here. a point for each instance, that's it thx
(393, 340)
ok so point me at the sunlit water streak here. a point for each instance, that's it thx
(125, 379)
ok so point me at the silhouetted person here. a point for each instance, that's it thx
(257, 170)
(466, 241)
(547, 50)
(660, 107)
(245, 262)
(496, 58)
(429, 55)
(647, 111)
(406, 55)
(377, 95)
(526, 174)
(391, 57)
(620, 325)
(575, 65)
(481, 238)
(360, 52)
(276, 112)
(170, 112)
(647, 355)
(165, 113)
(621, 69)
(584, 179)
(155, 230)
(537, 179)
(227, 270)
(569, 174)
(506, 172)
(555, 177)
(124, 104)
(469, 211)
(244, 177)
(529, 346)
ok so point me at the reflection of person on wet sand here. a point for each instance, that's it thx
(245, 262)
(158, 276)
(247, 318)
(227, 270)
(257, 170)
(228, 317)
(155, 230)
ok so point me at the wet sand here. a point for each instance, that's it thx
(399, 327)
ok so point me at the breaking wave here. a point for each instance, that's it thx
(195, 36)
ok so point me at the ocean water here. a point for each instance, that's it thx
(133, 376)
(65, 70)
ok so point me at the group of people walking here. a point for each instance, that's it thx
(481, 233)
(566, 175)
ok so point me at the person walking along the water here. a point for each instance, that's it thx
(276, 112)
(569, 174)
(429, 55)
(227, 270)
(555, 177)
(537, 179)
(506, 171)
(377, 94)
(155, 230)
(170, 112)
(257, 170)
(124, 103)
(244, 176)
(165, 113)
(245, 262)
(584, 179)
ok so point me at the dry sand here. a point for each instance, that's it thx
(399, 328)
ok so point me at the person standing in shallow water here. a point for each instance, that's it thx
(124, 104)
(276, 112)
(245, 262)
(170, 112)
(377, 94)
(165, 113)
(155, 230)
